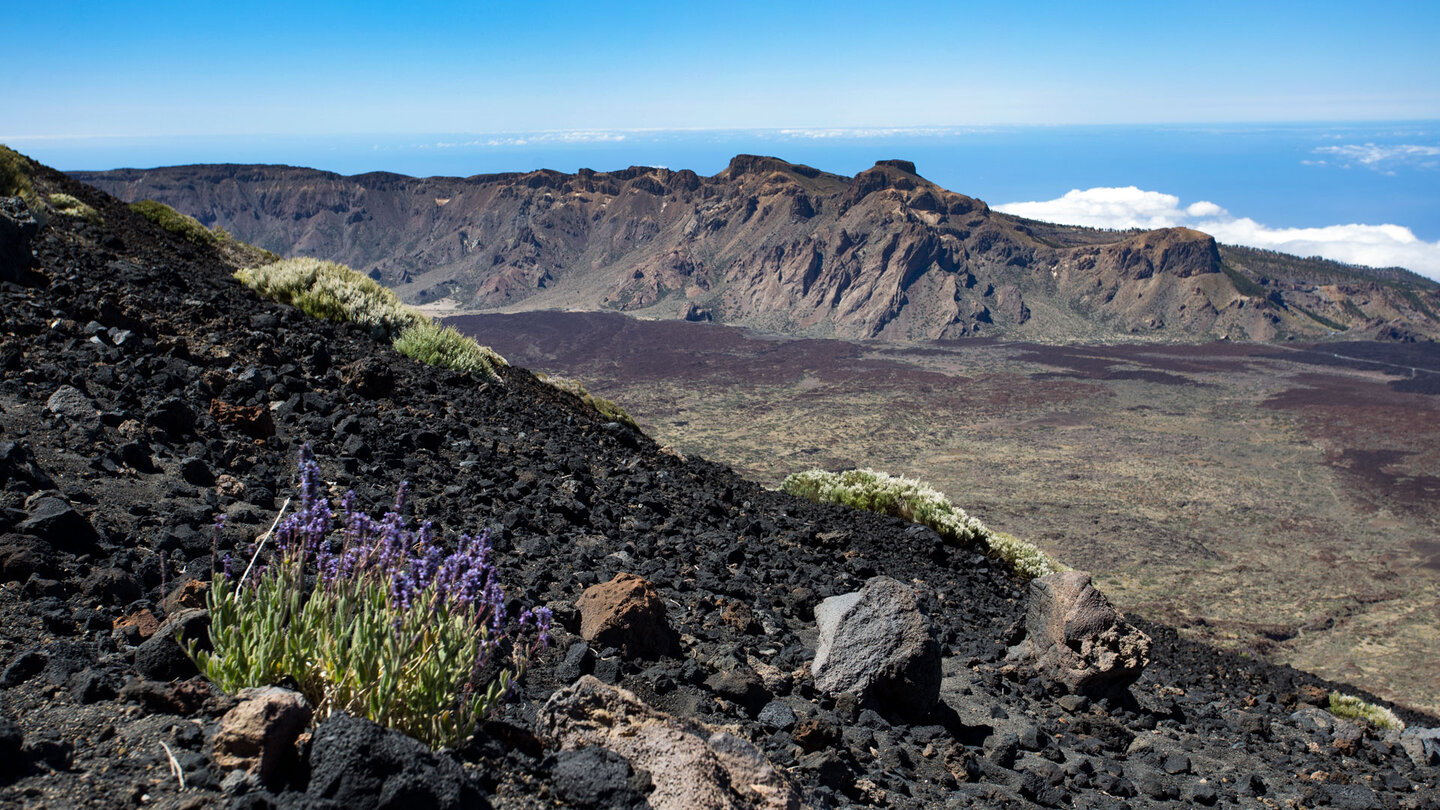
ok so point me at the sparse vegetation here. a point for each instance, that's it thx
(915, 501)
(371, 618)
(429, 342)
(15, 172)
(604, 407)
(175, 222)
(1243, 283)
(337, 293)
(70, 206)
(1353, 708)
(1322, 320)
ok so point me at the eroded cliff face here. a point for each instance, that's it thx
(884, 254)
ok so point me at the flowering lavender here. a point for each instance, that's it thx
(372, 617)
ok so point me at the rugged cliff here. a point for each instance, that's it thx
(884, 254)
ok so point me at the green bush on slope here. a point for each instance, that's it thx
(604, 407)
(71, 207)
(337, 293)
(15, 170)
(175, 222)
(916, 501)
(1353, 708)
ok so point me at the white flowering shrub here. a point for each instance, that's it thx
(337, 293)
(918, 502)
(1353, 708)
(331, 291)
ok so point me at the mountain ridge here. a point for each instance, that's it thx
(785, 247)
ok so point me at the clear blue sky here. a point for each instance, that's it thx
(203, 68)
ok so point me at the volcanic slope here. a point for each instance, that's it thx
(769, 244)
(115, 456)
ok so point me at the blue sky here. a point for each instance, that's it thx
(201, 68)
(1310, 127)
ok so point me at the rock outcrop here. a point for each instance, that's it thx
(1076, 639)
(876, 644)
(691, 766)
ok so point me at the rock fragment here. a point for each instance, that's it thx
(626, 613)
(1077, 639)
(355, 763)
(257, 734)
(692, 766)
(876, 643)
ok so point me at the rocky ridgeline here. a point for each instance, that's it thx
(885, 254)
(718, 645)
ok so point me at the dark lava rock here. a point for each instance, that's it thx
(112, 585)
(22, 668)
(57, 523)
(17, 228)
(196, 471)
(162, 658)
(363, 766)
(595, 777)
(22, 557)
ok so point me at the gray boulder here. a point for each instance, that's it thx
(1077, 639)
(876, 643)
(1422, 745)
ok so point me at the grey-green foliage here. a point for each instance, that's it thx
(336, 292)
(918, 502)
(1353, 708)
(70, 206)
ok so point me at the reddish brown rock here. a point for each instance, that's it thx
(143, 621)
(190, 594)
(252, 420)
(628, 613)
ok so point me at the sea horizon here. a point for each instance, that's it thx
(1363, 192)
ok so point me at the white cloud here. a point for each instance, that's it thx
(1131, 207)
(1380, 157)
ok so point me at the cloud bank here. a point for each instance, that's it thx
(1381, 158)
(1131, 207)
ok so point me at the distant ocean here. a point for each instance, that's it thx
(1281, 176)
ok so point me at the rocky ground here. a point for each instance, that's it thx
(145, 392)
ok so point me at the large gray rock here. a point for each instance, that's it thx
(692, 766)
(1077, 639)
(1422, 745)
(17, 228)
(876, 643)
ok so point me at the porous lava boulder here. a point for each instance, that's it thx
(259, 734)
(1075, 638)
(876, 643)
(358, 765)
(692, 766)
(626, 613)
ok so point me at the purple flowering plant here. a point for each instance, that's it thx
(371, 617)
